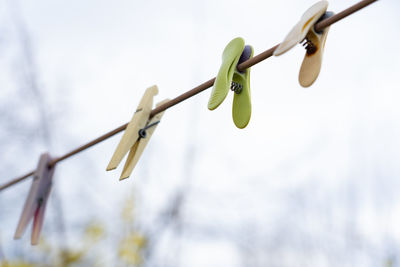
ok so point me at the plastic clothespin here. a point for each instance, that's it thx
(313, 41)
(230, 78)
(137, 134)
(35, 204)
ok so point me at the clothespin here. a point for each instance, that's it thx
(137, 134)
(35, 204)
(313, 41)
(239, 82)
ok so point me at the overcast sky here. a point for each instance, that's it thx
(96, 58)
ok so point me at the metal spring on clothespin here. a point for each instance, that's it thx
(143, 133)
(236, 87)
(309, 46)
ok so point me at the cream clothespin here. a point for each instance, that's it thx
(36, 201)
(137, 134)
(314, 42)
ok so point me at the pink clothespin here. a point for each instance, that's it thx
(35, 204)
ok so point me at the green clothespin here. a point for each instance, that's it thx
(230, 78)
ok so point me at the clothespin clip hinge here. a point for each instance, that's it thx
(142, 132)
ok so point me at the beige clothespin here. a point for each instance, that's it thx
(314, 42)
(137, 134)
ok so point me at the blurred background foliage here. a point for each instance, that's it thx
(131, 246)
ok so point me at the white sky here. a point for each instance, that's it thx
(97, 58)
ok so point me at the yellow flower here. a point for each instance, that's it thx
(16, 264)
(131, 248)
(69, 257)
(94, 231)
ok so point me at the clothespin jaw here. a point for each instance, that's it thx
(229, 77)
(314, 42)
(241, 108)
(36, 201)
(315, 45)
(138, 148)
(137, 134)
(230, 59)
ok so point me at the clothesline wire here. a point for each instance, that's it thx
(241, 67)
